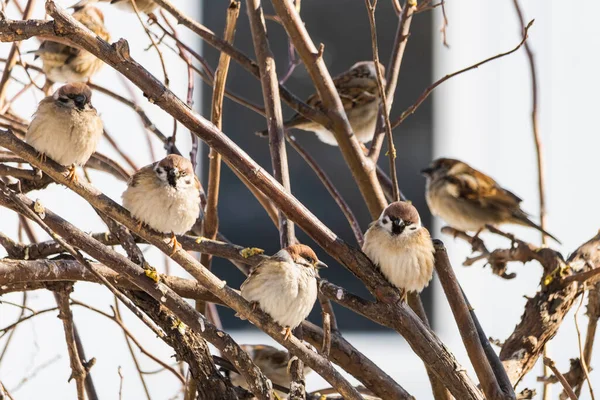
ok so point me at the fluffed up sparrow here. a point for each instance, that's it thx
(66, 127)
(165, 196)
(469, 200)
(274, 363)
(62, 63)
(145, 6)
(358, 91)
(401, 248)
(285, 285)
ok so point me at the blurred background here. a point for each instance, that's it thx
(481, 117)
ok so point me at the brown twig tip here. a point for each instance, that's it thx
(320, 51)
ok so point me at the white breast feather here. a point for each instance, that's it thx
(405, 265)
(162, 207)
(287, 295)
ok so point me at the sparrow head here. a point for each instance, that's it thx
(366, 69)
(443, 167)
(74, 95)
(175, 171)
(400, 218)
(304, 256)
(361, 74)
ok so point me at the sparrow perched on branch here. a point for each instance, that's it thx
(274, 363)
(66, 127)
(358, 91)
(62, 63)
(401, 248)
(144, 6)
(165, 196)
(285, 285)
(469, 200)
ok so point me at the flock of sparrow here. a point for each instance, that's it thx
(166, 195)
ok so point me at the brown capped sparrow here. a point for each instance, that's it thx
(285, 285)
(66, 127)
(62, 63)
(469, 200)
(274, 363)
(587, 256)
(401, 248)
(145, 6)
(165, 196)
(358, 91)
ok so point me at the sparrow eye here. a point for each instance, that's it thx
(183, 173)
(310, 260)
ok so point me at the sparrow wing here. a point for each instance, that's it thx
(58, 51)
(477, 187)
(140, 175)
(268, 355)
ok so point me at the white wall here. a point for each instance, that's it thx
(483, 118)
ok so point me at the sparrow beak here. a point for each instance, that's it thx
(398, 226)
(80, 101)
(321, 264)
(426, 171)
(172, 175)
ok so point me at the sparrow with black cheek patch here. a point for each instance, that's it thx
(274, 363)
(145, 6)
(469, 200)
(62, 63)
(66, 127)
(285, 285)
(165, 196)
(358, 91)
(401, 248)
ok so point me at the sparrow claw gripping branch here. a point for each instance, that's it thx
(174, 244)
(72, 175)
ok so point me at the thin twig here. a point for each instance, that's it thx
(335, 194)
(410, 110)
(582, 357)
(561, 378)
(65, 314)
(393, 71)
(371, 6)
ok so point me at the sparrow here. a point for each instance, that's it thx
(62, 63)
(587, 256)
(358, 91)
(401, 248)
(143, 6)
(165, 196)
(274, 363)
(66, 127)
(285, 285)
(469, 200)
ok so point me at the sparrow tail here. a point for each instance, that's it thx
(526, 221)
(293, 122)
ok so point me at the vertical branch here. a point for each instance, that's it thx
(593, 313)
(534, 123)
(270, 89)
(540, 159)
(371, 6)
(65, 314)
(585, 355)
(12, 56)
(393, 70)
(210, 225)
(468, 331)
(211, 216)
